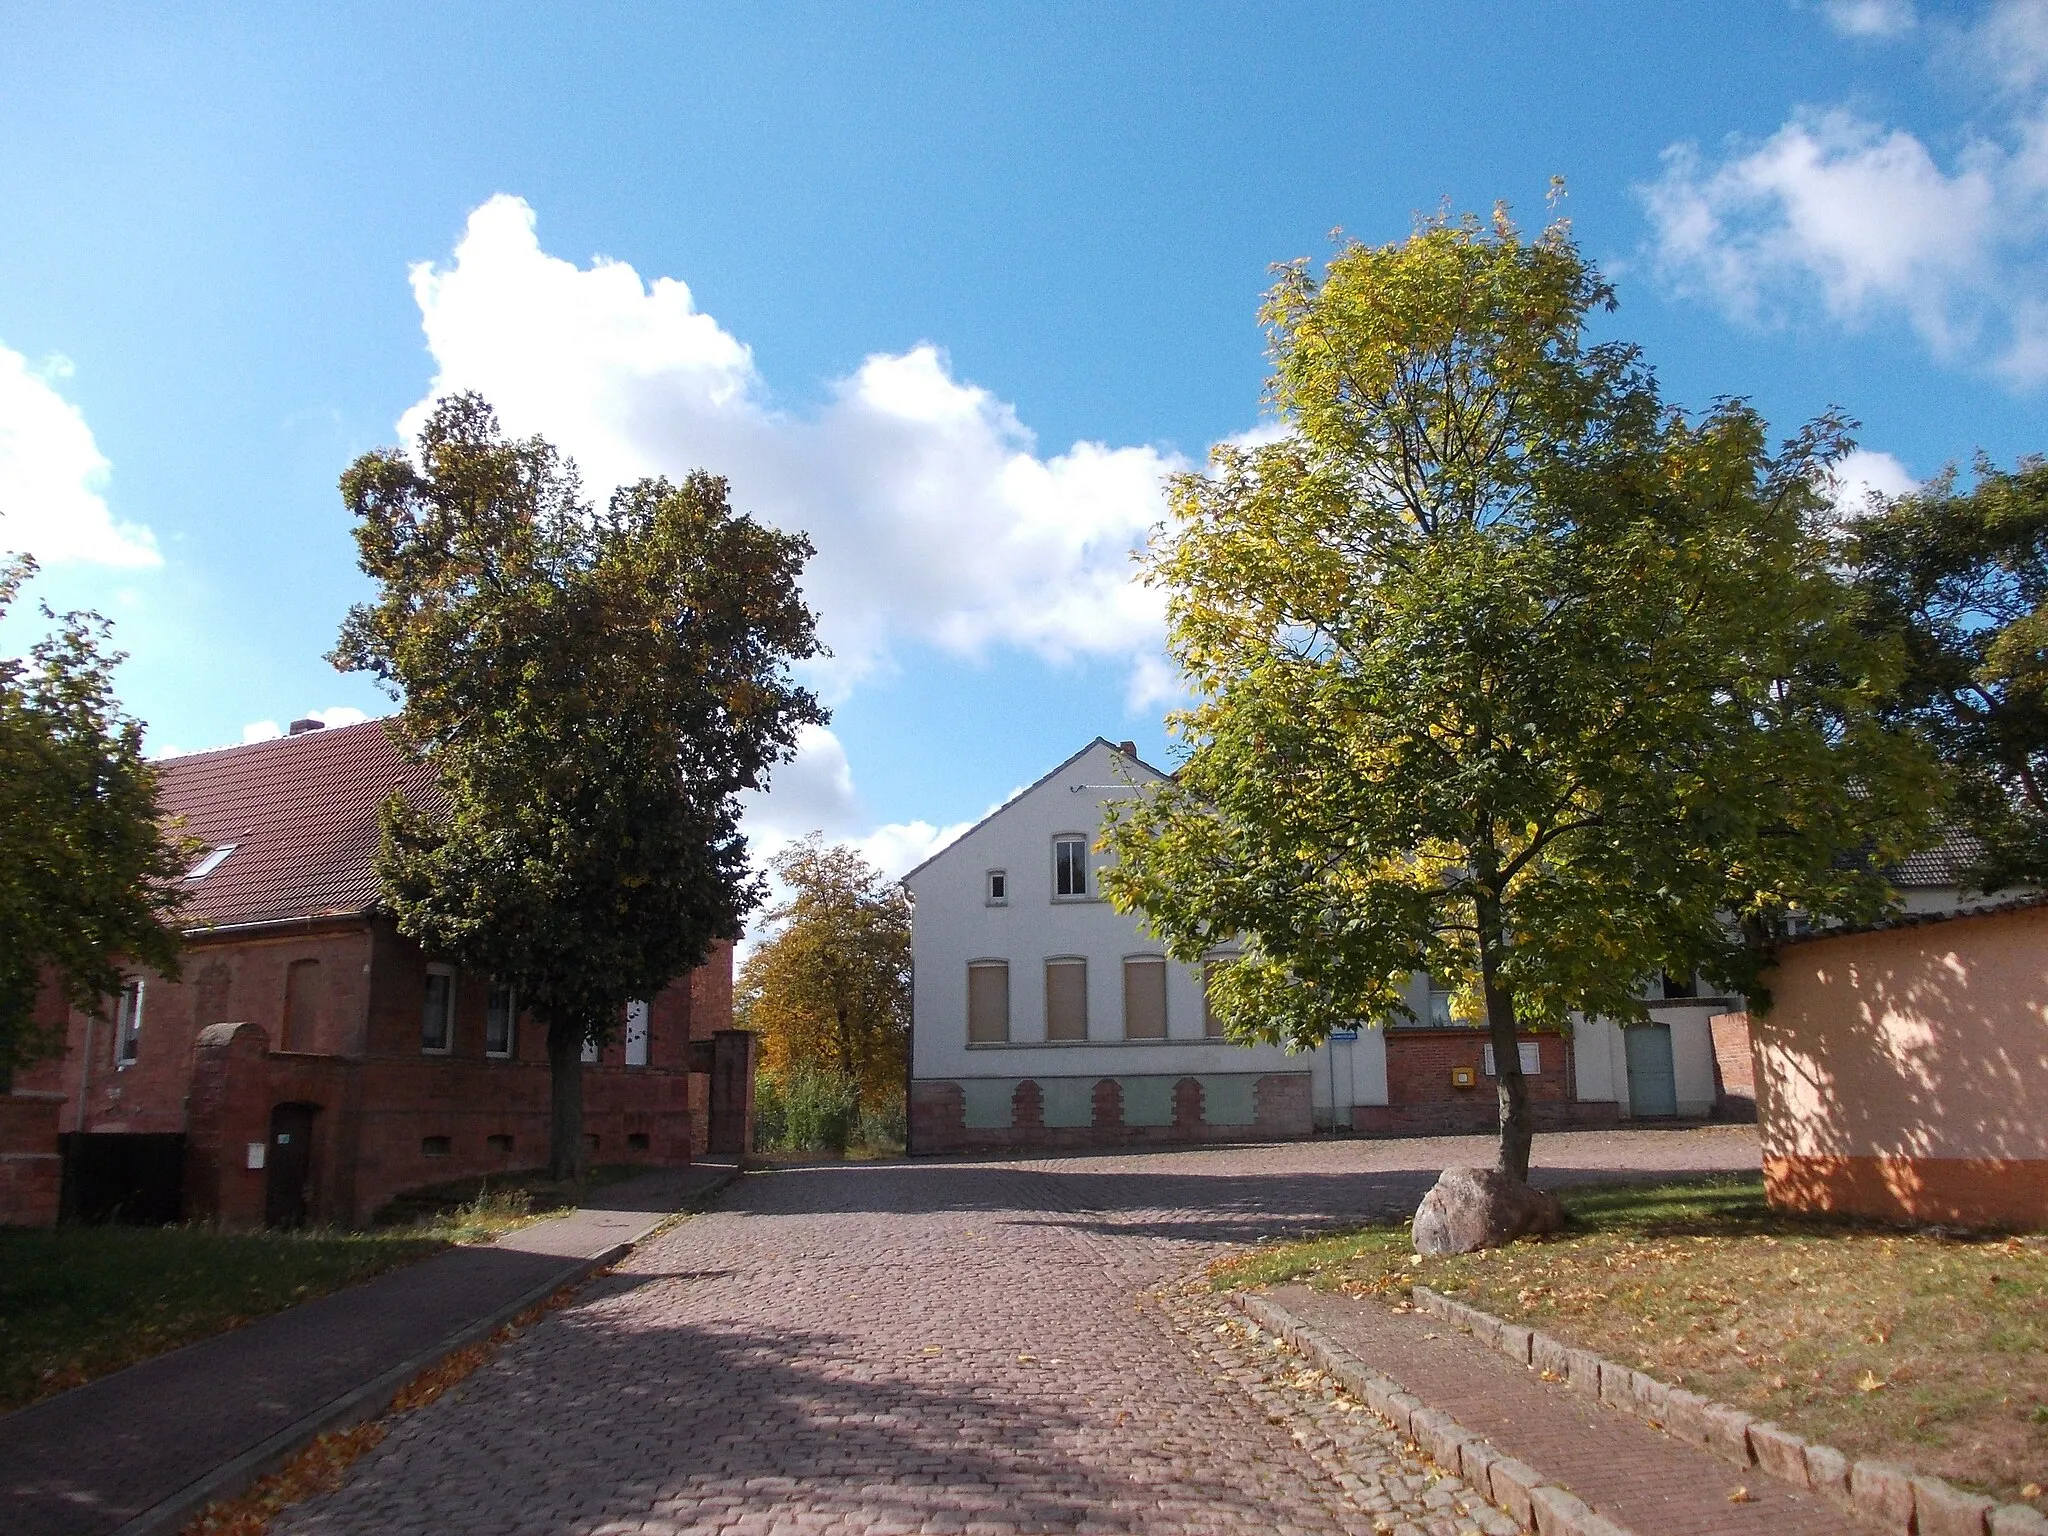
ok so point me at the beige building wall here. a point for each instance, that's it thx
(1903, 1073)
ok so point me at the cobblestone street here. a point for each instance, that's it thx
(948, 1347)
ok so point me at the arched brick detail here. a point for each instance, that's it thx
(1188, 1108)
(1027, 1107)
(1109, 1105)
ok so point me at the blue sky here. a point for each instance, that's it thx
(950, 287)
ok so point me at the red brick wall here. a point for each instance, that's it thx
(378, 1096)
(1423, 1101)
(30, 1170)
(1734, 1067)
(938, 1118)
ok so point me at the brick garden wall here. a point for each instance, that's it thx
(31, 1173)
(1422, 1099)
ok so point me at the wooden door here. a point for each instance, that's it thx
(1652, 1084)
(288, 1165)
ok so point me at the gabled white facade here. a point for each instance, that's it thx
(959, 922)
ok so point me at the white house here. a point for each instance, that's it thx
(1043, 1017)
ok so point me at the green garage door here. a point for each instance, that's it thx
(1652, 1086)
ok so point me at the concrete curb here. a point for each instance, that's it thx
(171, 1515)
(1889, 1496)
(1516, 1488)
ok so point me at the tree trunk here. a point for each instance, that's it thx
(1517, 1125)
(568, 1160)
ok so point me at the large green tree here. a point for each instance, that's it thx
(88, 877)
(593, 688)
(1963, 576)
(1505, 671)
(829, 986)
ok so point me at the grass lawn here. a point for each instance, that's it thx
(79, 1302)
(1928, 1348)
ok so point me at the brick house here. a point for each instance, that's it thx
(316, 1061)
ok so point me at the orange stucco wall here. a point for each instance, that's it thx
(1903, 1073)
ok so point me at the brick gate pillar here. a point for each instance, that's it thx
(732, 1093)
(227, 1113)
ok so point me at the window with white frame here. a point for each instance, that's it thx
(1069, 866)
(128, 1023)
(1528, 1052)
(636, 1034)
(437, 1011)
(590, 1052)
(998, 888)
(501, 1021)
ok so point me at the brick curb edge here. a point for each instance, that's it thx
(1515, 1487)
(169, 1516)
(1879, 1491)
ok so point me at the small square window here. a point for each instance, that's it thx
(499, 1142)
(211, 861)
(998, 888)
(435, 1146)
(128, 1023)
(636, 1141)
(437, 1010)
(1070, 866)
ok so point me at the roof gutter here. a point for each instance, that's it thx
(340, 914)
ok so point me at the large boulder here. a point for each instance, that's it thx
(1481, 1208)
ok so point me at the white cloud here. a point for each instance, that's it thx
(1864, 220)
(935, 517)
(53, 475)
(1870, 18)
(1866, 473)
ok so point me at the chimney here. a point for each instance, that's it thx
(300, 727)
(1129, 749)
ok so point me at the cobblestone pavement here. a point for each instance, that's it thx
(960, 1347)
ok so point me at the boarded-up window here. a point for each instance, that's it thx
(1145, 998)
(302, 1006)
(988, 1002)
(1066, 999)
(1212, 1023)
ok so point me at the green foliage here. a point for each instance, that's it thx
(87, 875)
(829, 987)
(592, 688)
(1964, 578)
(805, 1108)
(1507, 672)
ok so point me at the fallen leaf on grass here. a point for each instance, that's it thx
(1870, 1381)
(1742, 1496)
(2031, 1491)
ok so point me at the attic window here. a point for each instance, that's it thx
(211, 862)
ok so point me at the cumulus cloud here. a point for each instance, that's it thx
(936, 517)
(1864, 220)
(53, 475)
(815, 793)
(1870, 18)
(1866, 474)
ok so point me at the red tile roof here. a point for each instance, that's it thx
(302, 814)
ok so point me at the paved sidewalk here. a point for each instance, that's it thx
(1634, 1475)
(90, 1461)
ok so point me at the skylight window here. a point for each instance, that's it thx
(211, 862)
